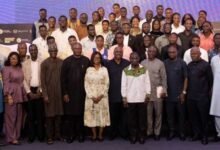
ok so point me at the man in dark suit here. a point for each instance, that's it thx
(139, 41)
(72, 84)
(129, 40)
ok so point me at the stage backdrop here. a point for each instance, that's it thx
(26, 11)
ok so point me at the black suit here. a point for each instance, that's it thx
(131, 42)
(72, 83)
(139, 46)
(139, 40)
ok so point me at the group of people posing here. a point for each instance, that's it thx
(130, 75)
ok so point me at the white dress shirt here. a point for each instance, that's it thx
(126, 40)
(35, 81)
(42, 47)
(37, 24)
(187, 55)
(105, 36)
(146, 53)
(87, 44)
(118, 18)
(178, 29)
(98, 28)
(61, 38)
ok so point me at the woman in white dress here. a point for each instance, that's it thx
(96, 105)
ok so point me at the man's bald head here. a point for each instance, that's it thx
(77, 44)
(195, 48)
(22, 49)
(77, 49)
(33, 50)
(172, 52)
(22, 44)
(195, 53)
(118, 53)
(152, 52)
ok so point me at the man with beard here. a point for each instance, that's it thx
(72, 83)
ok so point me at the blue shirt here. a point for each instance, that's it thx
(115, 74)
(212, 53)
(176, 73)
(104, 55)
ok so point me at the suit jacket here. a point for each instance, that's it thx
(26, 67)
(139, 46)
(131, 42)
(139, 42)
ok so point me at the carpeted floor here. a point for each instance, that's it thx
(118, 144)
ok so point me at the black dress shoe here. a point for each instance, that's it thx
(195, 138)
(149, 136)
(182, 137)
(81, 139)
(41, 140)
(217, 139)
(30, 140)
(133, 140)
(170, 136)
(2, 144)
(112, 137)
(157, 137)
(58, 139)
(69, 140)
(141, 140)
(204, 141)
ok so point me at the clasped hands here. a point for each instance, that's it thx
(96, 100)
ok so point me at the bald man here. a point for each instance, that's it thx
(158, 79)
(72, 81)
(115, 67)
(195, 43)
(176, 70)
(148, 18)
(51, 90)
(35, 105)
(200, 82)
(22, 50)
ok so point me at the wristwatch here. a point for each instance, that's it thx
(184, 92)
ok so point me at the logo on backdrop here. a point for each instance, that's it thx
(15, 33)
